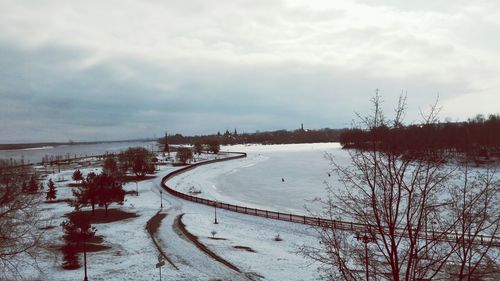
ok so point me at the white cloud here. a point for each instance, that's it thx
(314, 60)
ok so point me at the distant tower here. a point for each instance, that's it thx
(235, 132)
(302, 126)
(166, 148)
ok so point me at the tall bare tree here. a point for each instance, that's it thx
(391, 195)
(474, 219)
(20, 223)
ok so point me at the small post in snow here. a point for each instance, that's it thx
(215, 212)
(161, 199)
(160, 263)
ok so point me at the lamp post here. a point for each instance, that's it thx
(365, 239)
(161, 199)
(87, 233)
(215, 212)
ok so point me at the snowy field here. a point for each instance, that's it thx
(256, 181)
(245, 241)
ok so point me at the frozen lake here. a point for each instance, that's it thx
(256, 181)
(35, 155)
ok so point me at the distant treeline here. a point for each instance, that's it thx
(274, 137)
(477, 137)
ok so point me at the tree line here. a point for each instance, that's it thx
(479, 138)
(272, 137)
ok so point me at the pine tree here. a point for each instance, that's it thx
(33, 185)
(77, 175)
(51, 193)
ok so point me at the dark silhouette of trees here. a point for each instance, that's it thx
(273, 137)
(52, 192)
(184, 154)
(478, 138)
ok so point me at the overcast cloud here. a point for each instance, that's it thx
(92, 70)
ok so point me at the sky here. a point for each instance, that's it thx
(122, 69)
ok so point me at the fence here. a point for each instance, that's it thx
(315, 221)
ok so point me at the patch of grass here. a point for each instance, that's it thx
(153, 224)
(248, 249)
(100, 215)
(128, 178)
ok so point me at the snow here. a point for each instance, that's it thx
(256, 181)
(133, 255)
(274, 260)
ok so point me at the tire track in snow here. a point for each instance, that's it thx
(187, 257)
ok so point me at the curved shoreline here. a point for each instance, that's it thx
(302, 219)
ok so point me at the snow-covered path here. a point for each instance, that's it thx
(193, 264)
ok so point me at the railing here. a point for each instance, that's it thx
(302, 219)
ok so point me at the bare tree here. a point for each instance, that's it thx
(390, 194)
(20, 223)
(473, 215)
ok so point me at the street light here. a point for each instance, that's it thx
(90, 232)
(161, 199)
(365, 239)
(215, 210)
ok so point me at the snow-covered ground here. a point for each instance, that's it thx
(256, 181)
(133, 255)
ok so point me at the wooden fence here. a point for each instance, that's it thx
(302, 219)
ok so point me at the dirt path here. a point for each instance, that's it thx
(182, 227)
(193, 263)
(152, 227)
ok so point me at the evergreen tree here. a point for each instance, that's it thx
(33, 185)
(77, 175)
(51, 193)
(86, 195)
(102, 190)
(109, 191)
